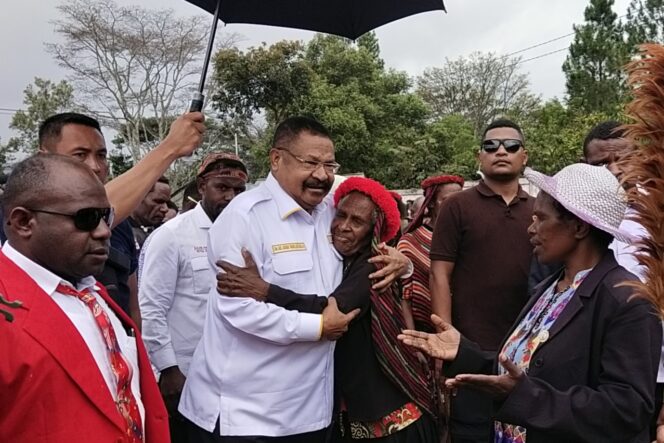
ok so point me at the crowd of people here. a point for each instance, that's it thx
(282, 314)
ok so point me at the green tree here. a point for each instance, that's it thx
(645, 22)
(369, 42)
(480, 87)
(593, 68)
(369, 110)
(41, 99)
(555, 133)
(262, 79)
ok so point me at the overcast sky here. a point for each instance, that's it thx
(411, 44)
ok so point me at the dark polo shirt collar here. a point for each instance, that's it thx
(483, 189)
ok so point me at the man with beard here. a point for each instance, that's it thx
(72, 369)
(480, 259)
(176, 278)
(260, 372)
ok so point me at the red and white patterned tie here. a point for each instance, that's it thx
(126, 403)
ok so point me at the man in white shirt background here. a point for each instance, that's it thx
(260, 372)
(605, 145)
(71, 369)
(176, 277)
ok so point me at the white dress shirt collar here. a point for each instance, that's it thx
(202, 220)
(45, 279)
(286, 205)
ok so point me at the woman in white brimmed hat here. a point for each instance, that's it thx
(580, 362)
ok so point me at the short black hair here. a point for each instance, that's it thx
(605, 130)
(51, 129)
(504, 123)
(31, 176)
(292, 127)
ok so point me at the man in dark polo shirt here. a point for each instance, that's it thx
(480, 260)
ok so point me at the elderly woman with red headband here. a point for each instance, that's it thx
(416, 245)
(383, 390)
(580, 362)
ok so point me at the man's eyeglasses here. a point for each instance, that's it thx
(86, 219)
(492, 145)
(312, 165)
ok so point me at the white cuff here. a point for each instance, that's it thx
(310, 327)
(163, 358)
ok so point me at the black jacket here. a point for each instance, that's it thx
(594, 379)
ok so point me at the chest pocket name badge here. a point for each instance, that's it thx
(288, 247)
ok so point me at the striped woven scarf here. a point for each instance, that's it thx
(398, 363)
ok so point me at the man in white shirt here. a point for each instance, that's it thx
(176, 278)
(261, 372)
(605, 145)
(71, 369)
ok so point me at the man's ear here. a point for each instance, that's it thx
(275, 156)
(21, 221)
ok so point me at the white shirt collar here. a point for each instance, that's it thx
(45, 279)
(285, 203)
(200, 216)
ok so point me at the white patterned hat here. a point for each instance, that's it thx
(592, 193)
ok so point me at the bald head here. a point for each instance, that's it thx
(57, 215)
(31, 181)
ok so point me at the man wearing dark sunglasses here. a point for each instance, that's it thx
(480, 258)
(73, 366)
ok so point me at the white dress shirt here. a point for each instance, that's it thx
(85, 323)
(175, 280)
(260, 369)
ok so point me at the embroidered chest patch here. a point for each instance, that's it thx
(288, 247)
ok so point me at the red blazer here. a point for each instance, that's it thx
(51, 389)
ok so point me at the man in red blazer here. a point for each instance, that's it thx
(70, 368)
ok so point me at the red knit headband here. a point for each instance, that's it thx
(441, 180)
(381, 198)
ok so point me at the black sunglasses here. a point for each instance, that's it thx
(86, 219)
(511, 145)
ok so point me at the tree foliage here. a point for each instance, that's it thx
(593, 68)
(645, 22)
(370, 110)
(555, 133)
(129, 63)
(479, 87)
(41, 99)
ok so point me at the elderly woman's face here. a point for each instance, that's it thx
(353, 223)
(553, 237)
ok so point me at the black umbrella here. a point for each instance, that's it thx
(346, 18)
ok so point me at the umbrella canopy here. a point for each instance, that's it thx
(346, 18)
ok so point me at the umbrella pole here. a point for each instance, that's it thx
(199, 98)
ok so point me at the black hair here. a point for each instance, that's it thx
(292, 127)
(605, 130)
(163, 179)
(504, 123)
(51, 129)
(31, 176)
